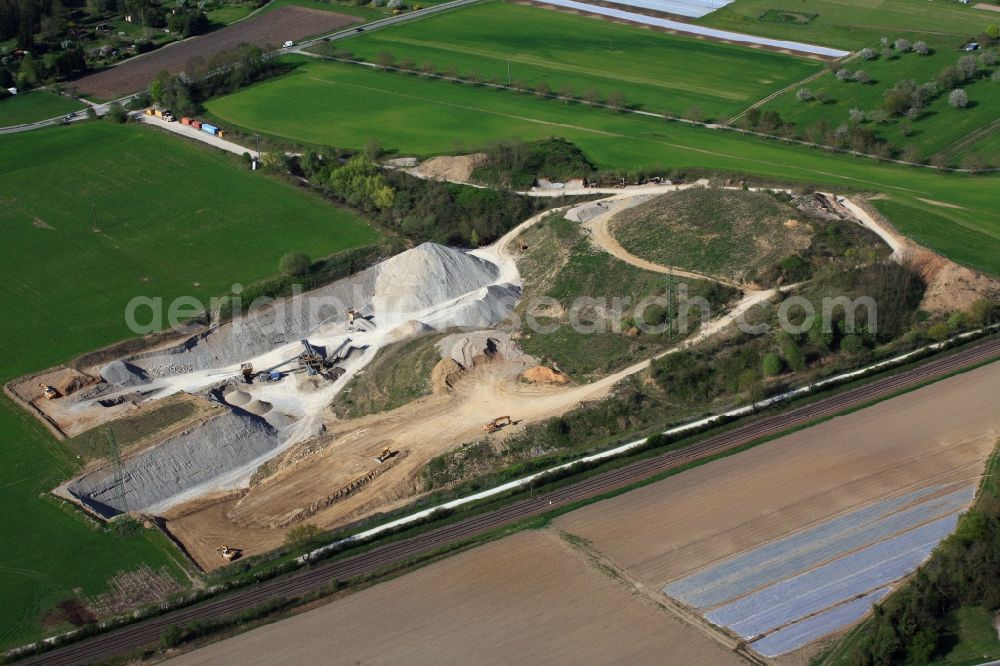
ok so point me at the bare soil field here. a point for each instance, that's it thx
(529, 598)
(938, 434)
(267, 29)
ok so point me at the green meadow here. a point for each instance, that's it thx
(99, 214)
(343, 105)
(657, 71)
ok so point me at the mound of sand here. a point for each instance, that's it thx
(445, 375)
(953, 287)
(427, 275)
(456, 168)
(258, 407)
(469, 350)
(237, 397)
(124, 374)
(542, 375)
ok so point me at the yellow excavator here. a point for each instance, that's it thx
(229, 554)
(497, 423)
(385, 455)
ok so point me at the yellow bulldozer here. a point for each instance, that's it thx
(497, 423)
(385, 455)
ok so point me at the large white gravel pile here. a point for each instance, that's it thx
(427, 275)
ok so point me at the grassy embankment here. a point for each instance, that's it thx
(101, 214)
(723, 233)
(655, 71)
(346, 106)
(33, 106)
(399, 374)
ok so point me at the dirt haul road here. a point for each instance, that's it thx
(529, 598)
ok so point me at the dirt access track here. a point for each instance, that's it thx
(267, 29)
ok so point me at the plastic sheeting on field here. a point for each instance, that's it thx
(802, 633)
(699, 30)
(786, 557)
(832, 583)
(691, 8)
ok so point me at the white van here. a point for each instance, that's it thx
(287, 45)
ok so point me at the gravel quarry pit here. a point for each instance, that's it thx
(427, 288)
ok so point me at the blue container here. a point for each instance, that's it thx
(211, 129)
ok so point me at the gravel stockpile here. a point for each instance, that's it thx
(413, 281)
(258, 407)
(479, 347)
(427, 275)
(237, 397)
(222, 444)
(124, 374)
(261, 329)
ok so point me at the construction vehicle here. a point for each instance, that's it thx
(385, 455)
(229, 554)
(246, 369)
(352, 314)
(497, 423)
(49, 392)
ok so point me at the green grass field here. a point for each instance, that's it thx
(853, 24)
(711, 231)
(935, 131)
(344, 105)
(102, 213)
(35, 105)
(660, 72)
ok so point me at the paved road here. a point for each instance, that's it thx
(192, 133)
(303, 581)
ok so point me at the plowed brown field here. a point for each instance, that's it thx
(267, 29)
(937, 434)
(529, 598)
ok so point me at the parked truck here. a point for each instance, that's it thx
(159, 112)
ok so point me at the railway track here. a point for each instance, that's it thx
(132, 637)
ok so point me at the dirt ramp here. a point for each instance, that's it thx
(213, 452)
